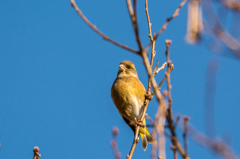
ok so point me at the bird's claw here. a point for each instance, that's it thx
(139, 123)
(148, 96)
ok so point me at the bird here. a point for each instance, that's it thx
(128, 95)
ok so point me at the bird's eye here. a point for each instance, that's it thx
(128, 67)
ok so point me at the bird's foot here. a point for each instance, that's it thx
(139, 123)
(148, 96)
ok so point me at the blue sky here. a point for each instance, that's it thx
(56, 75)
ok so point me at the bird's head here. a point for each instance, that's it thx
(127, 68)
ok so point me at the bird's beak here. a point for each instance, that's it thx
(122, 67)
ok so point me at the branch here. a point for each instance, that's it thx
(160, 68)
(133, 16)
(143, 53)
(174, 139)
(232, 4)
(218, 147)
(174, 151)
(176, 13)
(98, 31)
(224, 37)
(186, 119)
(165, 77)
(153, 45)
(115, 132)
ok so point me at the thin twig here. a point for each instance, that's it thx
(115, 132)
(219, 31)
(154, 72)
(168, 73)
(176, 122)
(174, 151)
(160, 68)
(186, 119)
(157, 126)
(168, 43)
(134, 22)
(165, 77)
(153, 45)
(176, 13)
(148, 19)
(218, 147)
(98, 31)
(174, 139)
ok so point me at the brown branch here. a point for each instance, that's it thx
(226, 39)
(153, 45)
(218, 30)
(154, 72)
(171, 126)
(176, 13)
(133, 16)
(186, 119)
(149, 23)
(160, 68)
(165, 77)
(36, 154)
(174, 151)
(149, 72)
(135, 27)
(218, 147)
(115, 132)
(231, 4)
(168, 43)
(98, 31)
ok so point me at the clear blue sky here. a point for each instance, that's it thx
(56, 75)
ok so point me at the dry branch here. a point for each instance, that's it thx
(176, 13)
(148, 65)
(218, 147)
(115, 133)
(98, 31)
(171, 126)
(186, 119)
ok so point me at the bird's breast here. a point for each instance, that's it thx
(128, 97)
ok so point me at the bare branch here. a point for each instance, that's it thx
(98, 31)
(186, 119)
(160, 68)
(115, 132)
(153, 45)
(174, 151)
(232, 4)
(165, 77)
(133, 16)
(174, 138)
(218, 147)
(176, 13)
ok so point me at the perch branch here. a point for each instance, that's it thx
(149, 72)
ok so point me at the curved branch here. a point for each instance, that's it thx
(98, 31)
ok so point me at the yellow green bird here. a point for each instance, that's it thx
(128, 95)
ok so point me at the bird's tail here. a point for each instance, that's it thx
(146, 136)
